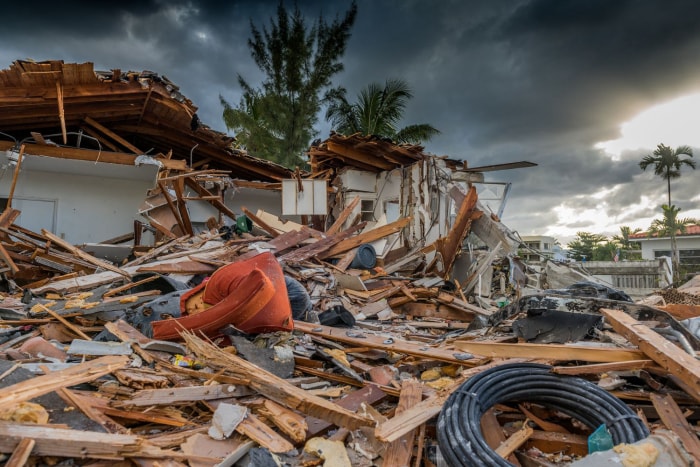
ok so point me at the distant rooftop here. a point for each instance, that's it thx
(690, 230)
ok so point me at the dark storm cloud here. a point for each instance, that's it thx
(537, 80)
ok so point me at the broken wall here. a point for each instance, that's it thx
(82, 202)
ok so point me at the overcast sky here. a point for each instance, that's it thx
(545, 81)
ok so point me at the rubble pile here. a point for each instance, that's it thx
(367, 387)
(393, 325)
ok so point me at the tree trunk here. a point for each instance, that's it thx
(675, 258)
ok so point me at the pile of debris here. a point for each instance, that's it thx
(390, 378)
(393, 325)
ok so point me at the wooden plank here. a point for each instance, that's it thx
(664, 352)
(320, 246)
(343, 216)
(210, 198)
(604, 367)
(5, 256)
(61, 111)
(179, 186)
(516, 440)
(147, 417)
(21, 453)
(408, 420)
(166, 396)
(450, 245)
(367, 237)
(261, 223)
(15, 176)
(129, 285)
(399, 452)
(61, 442)
(379, 342)
(370, 395)
(65, 322)
(493, 432)
(253, 428)
(673, 418)
(290, 423)
(90, 121)
(90, 155)
(549, 351)
(274, 387)
(82, 255)
(40, 385)
(429, 310)
(171, 205)
(568, 443)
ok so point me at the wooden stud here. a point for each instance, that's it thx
(664, 352)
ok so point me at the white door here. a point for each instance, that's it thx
(36, 214)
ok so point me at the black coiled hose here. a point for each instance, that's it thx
(459, 424)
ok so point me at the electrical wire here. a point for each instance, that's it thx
(459, 424)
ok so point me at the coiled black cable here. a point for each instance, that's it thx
(459, 424)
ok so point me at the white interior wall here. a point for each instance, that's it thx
(88, 208)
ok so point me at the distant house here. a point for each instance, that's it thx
(538, 248)
(688, 247)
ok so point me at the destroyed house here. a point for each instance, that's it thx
(77, 145)
(278, 345)
(431, 201)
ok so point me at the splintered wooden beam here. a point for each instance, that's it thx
(171, 205)
(664, 352)
(367, 237)
(210, 198)
(62, 442)
(61, 112)
(65, 322)
(169, 396)
(516, 440)
(80, 373)
(417, 349)
(449, 246)
(5, 256)
(261, 223)
(399, 452)
(408, 420)
(82, 254)
(276, 388)
(313, 249)
(179, 186)
(673, 418)
(343, 216)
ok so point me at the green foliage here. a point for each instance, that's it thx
(276, 121)
(584, 244)
(668, 162)
(378, 111)
(627, 246)
(605, 251)
(669, 226)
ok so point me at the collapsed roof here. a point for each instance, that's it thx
(72, 105)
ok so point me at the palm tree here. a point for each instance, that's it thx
(667, 163)
(669, 226)
(377, 112)
(624, 238)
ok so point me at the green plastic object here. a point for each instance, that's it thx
(600, 440)
(243, 224)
